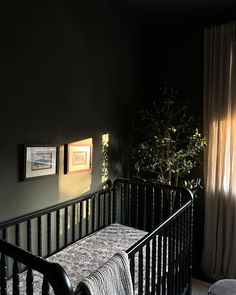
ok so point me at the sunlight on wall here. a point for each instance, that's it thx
(105, 146)
(74, 184)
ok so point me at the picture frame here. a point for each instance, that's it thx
(40, 161)
(78, 158)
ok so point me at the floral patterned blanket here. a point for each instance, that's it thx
(85, 256)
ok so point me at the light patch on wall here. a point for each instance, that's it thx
(74, 184)
(105, 146)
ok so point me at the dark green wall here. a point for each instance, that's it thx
(66, 75)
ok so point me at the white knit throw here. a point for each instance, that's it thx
(113, 277)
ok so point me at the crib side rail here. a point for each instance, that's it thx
(145, 204)
(62, 205)
(45, 232)
(53, 273)
(163, 257)
(49, 230)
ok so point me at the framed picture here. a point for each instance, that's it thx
(78, 158)
(40, 161)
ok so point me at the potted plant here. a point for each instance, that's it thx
(168, 143)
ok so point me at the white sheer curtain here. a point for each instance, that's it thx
(219, 249)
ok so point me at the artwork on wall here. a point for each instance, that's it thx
(78, 158)
(40, 161)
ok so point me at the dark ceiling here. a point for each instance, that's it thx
(195, 12)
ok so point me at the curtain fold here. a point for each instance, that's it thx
(219, 254)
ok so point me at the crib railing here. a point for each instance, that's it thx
(135, 203)
(59, 225)
(160, 263)
(54, 274)
(145, 204)
(49, 230)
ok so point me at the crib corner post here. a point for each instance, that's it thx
(3, 274)
(114, 213)
(59, 280)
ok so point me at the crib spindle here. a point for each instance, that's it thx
(147, 268)
(58, 225)
(39, 236)
(87, 217)
(181, 255)
(15, 278)
(159, 266)
(45, 287)
(66, 226)
(186, 228)
(144, 223)
(137, 206)
(104, 210)
(185, 247)
(164, 263)
(132, 267)
(3, 274)
(170, 260)
(189, 237)
(178, 255)
(93, 214)
(129, 195)
(114, 207)
(49, 232)
(171, 201)
(122, 206)
(140, 271)
(180, 202)
(29, 236)
(81, 220)
(156, 202)
(190, 246)
(29, 282)
(73, 222)
(109, 208)
(175, 265)
(3, 267)
(126, 203)
(17, 235)
(29, 277)
(154, 258)
(161, 205)
(99, 211)
(15, 263)
(152, 222)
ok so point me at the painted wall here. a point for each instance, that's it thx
(66, 75)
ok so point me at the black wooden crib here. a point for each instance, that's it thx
(158, 216)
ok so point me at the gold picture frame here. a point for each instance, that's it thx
(78, 158)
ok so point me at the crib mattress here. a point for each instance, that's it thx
(85, 256)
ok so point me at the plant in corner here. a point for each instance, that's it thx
(169, 143)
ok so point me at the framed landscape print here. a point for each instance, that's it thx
(40, 161)
(78, 158)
